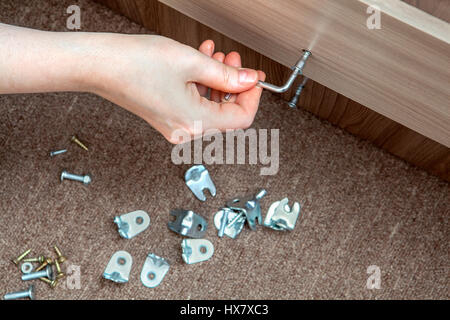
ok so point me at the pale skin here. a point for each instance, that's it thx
(162, 81)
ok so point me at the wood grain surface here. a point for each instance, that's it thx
(316, 98)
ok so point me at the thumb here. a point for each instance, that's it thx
(219, 76)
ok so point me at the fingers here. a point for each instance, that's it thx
(215, 95)
(219, 76)
(207, 48)
(237, 115)
(232, 59)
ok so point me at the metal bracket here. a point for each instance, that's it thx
(132, 223)
(196, 250)
(281, 217)
(154, 270)
(188, 223)
(296, 70)
(250, 206)
(197, 179)
(119, 267)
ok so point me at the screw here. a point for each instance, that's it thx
(58, 269)
(61, 258)
(29, 293)
(227, 96)
(19, 258)
(52, 283)
(54, 153)
(39, 259)
(42, 266)
(294, 100)
(223, 223)
(48, 272)
(86, 179)
(78, 142)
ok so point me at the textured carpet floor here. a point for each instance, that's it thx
(360, 205)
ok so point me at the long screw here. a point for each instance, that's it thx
(294, 100)
(51, 283)
(59, 274)
(39, 259)
(61, 258)
(78, 142)
(19, 258)
(86, 179)
(54, 153)
(48, 273)
(29, 293)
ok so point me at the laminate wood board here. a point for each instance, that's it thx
(316, 98)
(401, 70)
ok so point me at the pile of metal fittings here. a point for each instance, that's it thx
(237, 212)
(44, 272)
(119, 266)
(229, 220)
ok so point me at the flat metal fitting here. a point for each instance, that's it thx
(188, 223)
(197, 179)
(154, 270)
(249, 205)
(132, 223)
(196, 250)
(119, 267)
(281, 217)
(230, 230)
(26, 267)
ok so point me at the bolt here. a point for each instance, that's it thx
(52, 283)
(294, 100)
(86, 179)
(60, 274)
(223, 223)
(39, 259)
(61, 258)
(19, 258)
(54, 153)
(29, 293)
(78, 142)
(232, 222)
(48, 272)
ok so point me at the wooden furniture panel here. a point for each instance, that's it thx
(316, 98)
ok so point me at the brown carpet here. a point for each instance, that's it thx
(360, 205)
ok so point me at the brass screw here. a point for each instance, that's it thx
(19, 258)
(42, 266)
(78, 142)
(61, 258)
(58, 269)
(39, 259)
(52, 283)
(49, 260)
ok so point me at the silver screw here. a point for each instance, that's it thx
(29, 293)
(54, 153)
(227, 96)
(294, 100)
(85, 179)
(47, 272)
(223, 223)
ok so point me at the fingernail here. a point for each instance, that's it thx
(247, 76)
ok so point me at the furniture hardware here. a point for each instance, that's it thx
(296, 70)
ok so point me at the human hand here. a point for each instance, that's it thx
(165, 83)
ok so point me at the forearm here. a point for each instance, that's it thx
(39, 61)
